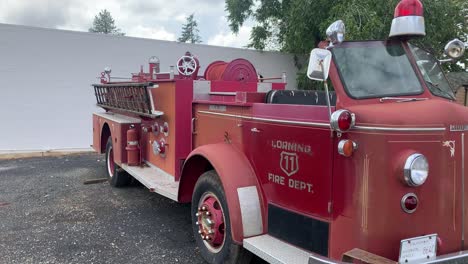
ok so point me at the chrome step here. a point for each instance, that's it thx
(276, 251)
(155, 179)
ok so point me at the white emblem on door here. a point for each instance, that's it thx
(451, 145)
(289, 163)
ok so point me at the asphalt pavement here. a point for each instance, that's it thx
(47, 215)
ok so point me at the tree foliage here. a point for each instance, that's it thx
(104, 23)
(297, 26)
(190, 32)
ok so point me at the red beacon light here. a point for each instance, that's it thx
(408, 19)
(342, 120)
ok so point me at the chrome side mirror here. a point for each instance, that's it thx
(454, 50)
(319, 64)
(336, 32)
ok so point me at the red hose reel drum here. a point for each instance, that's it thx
(215, 71)
(239, 70)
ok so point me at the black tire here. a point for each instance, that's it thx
(229, 252)
(117, 177)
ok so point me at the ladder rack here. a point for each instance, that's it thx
(135, 98)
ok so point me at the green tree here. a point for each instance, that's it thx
(190, 32)
(371, 19)
(297, 26)
(105, 24)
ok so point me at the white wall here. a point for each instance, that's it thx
(46, 100)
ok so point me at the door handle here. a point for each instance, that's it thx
(255, 130)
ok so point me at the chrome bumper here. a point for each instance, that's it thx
(455, 258)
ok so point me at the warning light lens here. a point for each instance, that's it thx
(346, 147)
(408, 20)
(409, 8)
(342, 120)
(409, 203)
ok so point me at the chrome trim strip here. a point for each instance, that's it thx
(219, 114)
(463, 189)
(462, 255)
(315, 259)
(270, 120)
(326, 125)
(223, 93)
(458, 127)
(406, 129)
(291, 122)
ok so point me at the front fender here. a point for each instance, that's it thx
(240, 184)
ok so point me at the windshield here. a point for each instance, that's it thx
(432, 73)
(376, 69)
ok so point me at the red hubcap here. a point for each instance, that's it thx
(110, 162)
(210, 221)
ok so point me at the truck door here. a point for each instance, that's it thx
(293, 161)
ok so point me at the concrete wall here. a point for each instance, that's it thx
(46, 100)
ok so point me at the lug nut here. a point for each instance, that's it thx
(211, 232)
(207, 213)
(197, 214)
(197, 223)
(203, 208)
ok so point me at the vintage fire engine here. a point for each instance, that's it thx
(372, 172)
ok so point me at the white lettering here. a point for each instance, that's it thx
(293, 184)
(291, 146)
(276, 178)
(300, 185)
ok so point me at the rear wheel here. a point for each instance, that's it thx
(211, 223)
(117, 176)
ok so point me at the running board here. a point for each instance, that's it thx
(155, 180)
(276, 251)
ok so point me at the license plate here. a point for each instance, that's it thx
(418, 248)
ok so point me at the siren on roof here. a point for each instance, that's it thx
(408, 19)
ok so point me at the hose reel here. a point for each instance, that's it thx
(239, 70)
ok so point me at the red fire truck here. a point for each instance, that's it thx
(372, 172)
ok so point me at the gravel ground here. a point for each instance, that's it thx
(47, 215)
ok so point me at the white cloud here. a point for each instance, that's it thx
(157, 32)
(181, 18)
(229, 39)
(159, 19)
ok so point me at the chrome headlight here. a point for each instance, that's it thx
(455, 49)
(336, 32)
(416, 170)
(107, 70)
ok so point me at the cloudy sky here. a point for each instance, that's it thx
(158, 19)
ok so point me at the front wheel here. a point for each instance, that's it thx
(211, 223)
(117, 177)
